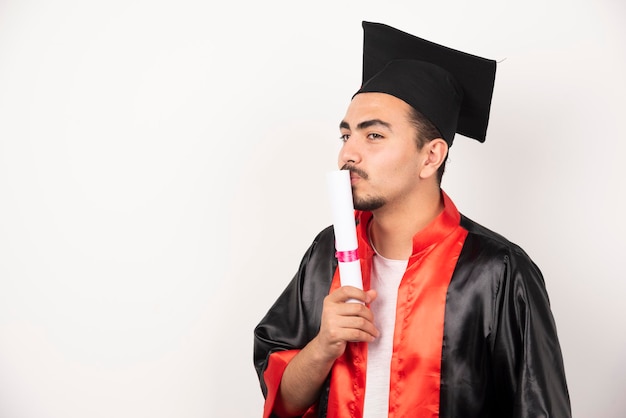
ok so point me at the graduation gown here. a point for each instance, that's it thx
(474, 333)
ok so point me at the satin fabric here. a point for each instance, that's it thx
(416, 361)
(474, 332)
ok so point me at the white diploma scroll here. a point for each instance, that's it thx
(346, 243)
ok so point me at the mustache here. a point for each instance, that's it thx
(355, 170)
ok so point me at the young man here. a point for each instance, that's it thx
(455, 319)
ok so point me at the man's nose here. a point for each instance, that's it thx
(350, 152)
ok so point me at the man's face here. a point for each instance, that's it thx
(381, 152)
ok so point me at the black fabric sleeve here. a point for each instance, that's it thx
(294, 318)
(527, 361)
(501, 355)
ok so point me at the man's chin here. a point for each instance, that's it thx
(369, 204)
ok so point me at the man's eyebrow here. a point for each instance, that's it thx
(365, 124)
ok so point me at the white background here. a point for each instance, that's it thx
(162, 171)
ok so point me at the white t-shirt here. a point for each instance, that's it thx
(386, 276)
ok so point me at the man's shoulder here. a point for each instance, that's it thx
(326, 234)
(322, 248)
(489, 239)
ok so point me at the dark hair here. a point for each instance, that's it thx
(426, 132)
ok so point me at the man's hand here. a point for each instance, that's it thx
(342, 322)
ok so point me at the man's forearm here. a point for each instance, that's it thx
(302, 380)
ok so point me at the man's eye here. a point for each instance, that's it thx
(375, 136)
(344, 137)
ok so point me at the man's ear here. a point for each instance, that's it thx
(436, 151)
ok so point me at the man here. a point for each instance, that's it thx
(455, 320)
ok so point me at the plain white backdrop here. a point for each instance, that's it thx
(162, 170)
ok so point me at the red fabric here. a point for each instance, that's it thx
(273, 375)
(418, 334)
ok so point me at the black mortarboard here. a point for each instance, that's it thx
(451, 88)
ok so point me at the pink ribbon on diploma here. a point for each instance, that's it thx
(347, 256)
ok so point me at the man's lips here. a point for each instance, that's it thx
(355, 173)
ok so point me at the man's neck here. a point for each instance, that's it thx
(392, 228)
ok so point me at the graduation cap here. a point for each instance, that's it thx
(452, 89)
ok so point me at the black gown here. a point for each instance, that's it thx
(498, 350)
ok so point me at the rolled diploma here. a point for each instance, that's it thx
(346, 242)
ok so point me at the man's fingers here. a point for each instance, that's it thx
(346, 293)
